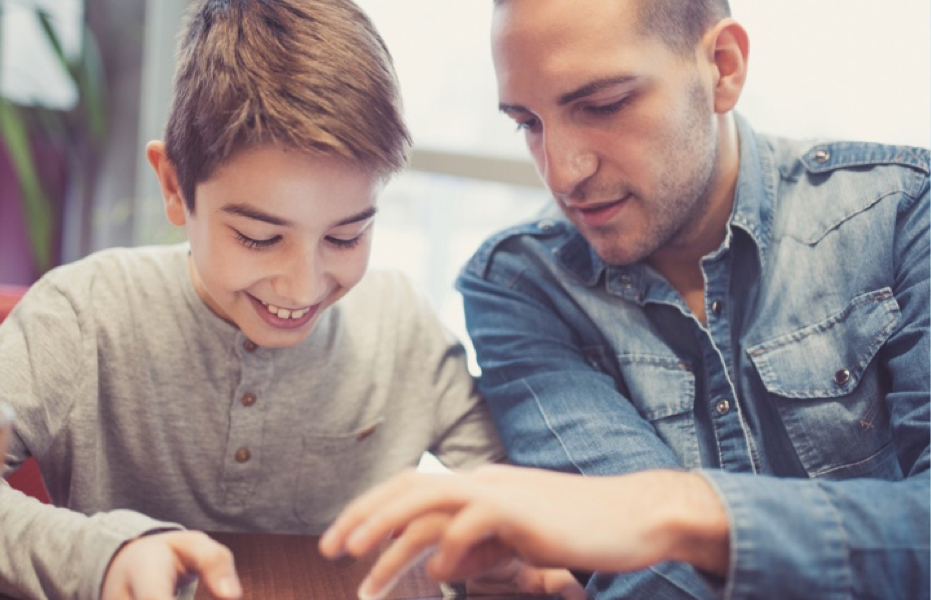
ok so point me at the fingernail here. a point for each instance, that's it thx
(229, 587)
(367, 593)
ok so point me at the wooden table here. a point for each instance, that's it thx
(289, 567)
(286, 567)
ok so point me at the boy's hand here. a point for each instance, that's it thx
(153, 566)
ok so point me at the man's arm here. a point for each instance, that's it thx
(556, 409)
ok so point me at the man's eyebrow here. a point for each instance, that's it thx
(593, 87)
(250, 212)
(586, 90)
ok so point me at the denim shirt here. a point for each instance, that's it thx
(804, 400)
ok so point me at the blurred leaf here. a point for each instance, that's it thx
(91, 82)
(36, 204)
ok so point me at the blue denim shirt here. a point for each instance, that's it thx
(804, 400)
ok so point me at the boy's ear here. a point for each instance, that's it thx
(175, 208)
(727, 47)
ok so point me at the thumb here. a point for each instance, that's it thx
(211, 561)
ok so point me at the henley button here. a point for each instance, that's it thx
(723, 407)
(842, 377)
(822, 155)
(248, 399)
(243, 455)
(249, 346)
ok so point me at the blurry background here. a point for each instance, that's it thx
(81, 93)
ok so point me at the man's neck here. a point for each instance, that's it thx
(680, 260)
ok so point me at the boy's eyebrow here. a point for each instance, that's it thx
(244, 210)
(366, 214)
(586, 90)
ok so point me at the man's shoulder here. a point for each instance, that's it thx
(824, 183)
(822, 157)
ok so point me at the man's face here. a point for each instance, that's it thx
(622, 130)
(277, 237)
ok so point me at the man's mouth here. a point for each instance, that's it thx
(598, 213)
(286, 313)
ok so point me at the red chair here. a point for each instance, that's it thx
(27, 478)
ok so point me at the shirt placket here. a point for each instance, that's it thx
(734, 439)
(243, 455)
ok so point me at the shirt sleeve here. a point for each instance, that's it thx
(48, 551)
(557, 408)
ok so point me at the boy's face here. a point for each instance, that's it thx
(277, 237)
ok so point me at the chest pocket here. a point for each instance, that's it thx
(334, 469)
(663, 391)
(831, 392)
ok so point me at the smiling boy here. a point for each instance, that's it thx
(230, 383)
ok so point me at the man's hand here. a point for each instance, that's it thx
(480, 520)
(154, 566)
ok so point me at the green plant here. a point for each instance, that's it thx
(78, 130)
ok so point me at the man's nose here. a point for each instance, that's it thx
(566, 161)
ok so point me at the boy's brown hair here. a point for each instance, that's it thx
(313, 75)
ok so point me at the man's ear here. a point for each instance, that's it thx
(727, 47)
(175, 208)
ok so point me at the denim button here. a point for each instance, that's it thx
(717, 307)
(545, 224)
(249, 346)
(723, 407)
(248, 399)
(822, 155)
(842, 377)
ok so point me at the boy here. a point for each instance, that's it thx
(219, 386)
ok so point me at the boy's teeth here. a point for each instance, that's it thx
(284, 313)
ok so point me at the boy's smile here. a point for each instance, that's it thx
(277, 236)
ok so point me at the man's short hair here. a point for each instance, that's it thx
(680, 24)
(313, 75)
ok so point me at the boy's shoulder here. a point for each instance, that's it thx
(114, 273)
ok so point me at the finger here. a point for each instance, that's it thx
(333, 542)
(488, 560)
(470, 527)
(562, 583)
(418, 540)
(420, 495)
(210, 560)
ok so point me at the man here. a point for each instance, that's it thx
(740, 320)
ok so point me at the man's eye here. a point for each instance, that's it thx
(528, 124)
(255, 244)
(602, 110)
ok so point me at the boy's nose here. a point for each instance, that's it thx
(301, 279)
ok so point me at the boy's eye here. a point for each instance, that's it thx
(345, 244)
(255, 244)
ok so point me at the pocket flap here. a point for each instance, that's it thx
(827, 359)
